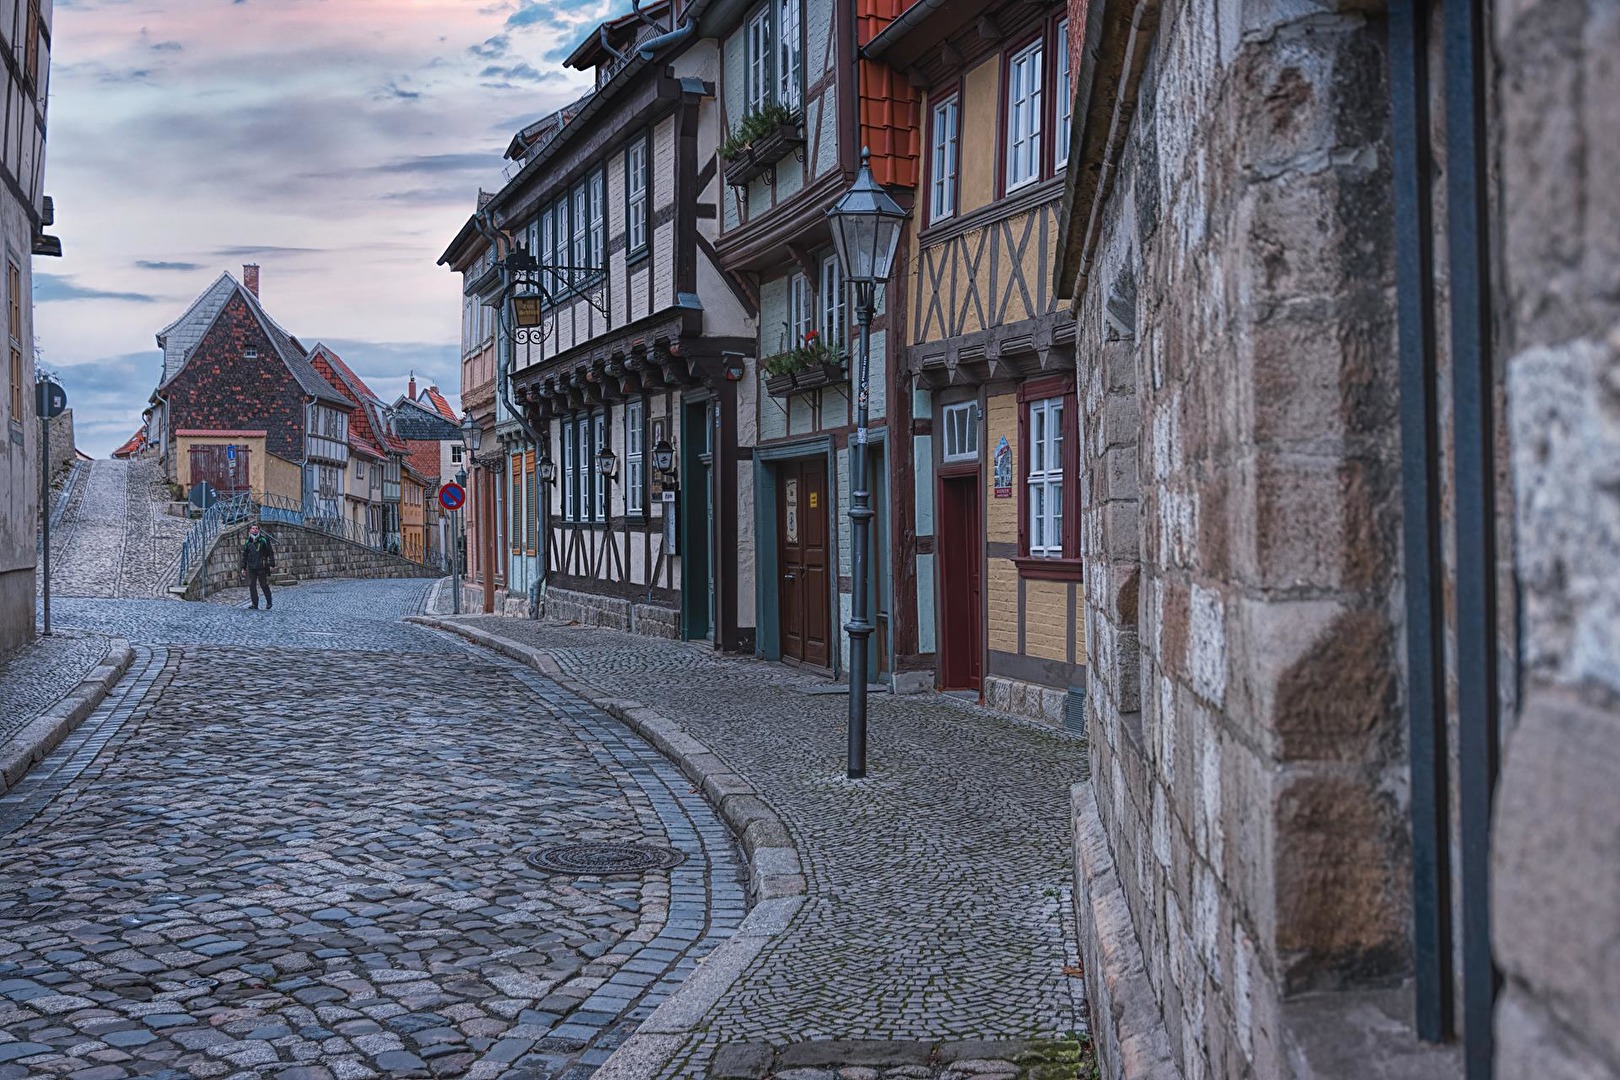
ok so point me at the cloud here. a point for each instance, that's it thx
(492, 49)
(440, 163)
(252, 251)
(519, 72)
(166, 46)
(152, 264)
(52, 288)
(393, 90)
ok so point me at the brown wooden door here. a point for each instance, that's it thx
(801, 529)
(961, 589)
(213, 464)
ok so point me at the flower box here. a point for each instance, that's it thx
(762, 153)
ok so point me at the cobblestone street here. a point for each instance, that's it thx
(292, 844)
(938, 900)
(115, 538)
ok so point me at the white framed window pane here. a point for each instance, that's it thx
(1024, 116)
(598, 200)
(961, 433)
(600, 503)
(635, 164)
(789, 54)
(943, 200)
(834, 313)
(582, 217)
(633, 460)
(800, 310)
(759, 59)
(1045, 479)
(568, 471)
(1065, 92)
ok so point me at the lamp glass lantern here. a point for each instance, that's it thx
(663, 456)
(548, 470)
(526, 306)
(607, 463)
(866, 224)
(472, 436)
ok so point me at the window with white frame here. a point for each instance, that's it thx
(455, 453)
(942, 190)
(961, 430)
(801, 312)
(635, 470)
(1065, 93)
(789, 54)
(359, 469)
(1024, 116)
(597, 244)
(635, 195)
(1045, 478)
(599, 431)
(581, 257)
(834, 297)
(570, 510)
(759, 59)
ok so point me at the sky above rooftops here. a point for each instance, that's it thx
(339, 144)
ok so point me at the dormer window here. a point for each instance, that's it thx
(250, 353)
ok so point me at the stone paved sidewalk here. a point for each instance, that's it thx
(938, 903)
(37, 676)
(115, 538)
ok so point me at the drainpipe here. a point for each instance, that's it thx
(650, 47)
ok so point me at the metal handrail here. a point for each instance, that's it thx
(278, 509)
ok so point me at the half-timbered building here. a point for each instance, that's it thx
(798, 106)
(992, 356)
(643, 345)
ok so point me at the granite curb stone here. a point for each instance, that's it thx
(45, 732)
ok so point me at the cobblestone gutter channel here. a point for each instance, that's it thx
(27, 736)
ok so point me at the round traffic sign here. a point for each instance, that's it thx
(451, 496)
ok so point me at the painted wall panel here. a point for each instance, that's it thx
(926, 642)
(1001, 515)
(922, 455)
(1001, 604)
(981, 104)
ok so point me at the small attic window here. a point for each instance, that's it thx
(250, 353)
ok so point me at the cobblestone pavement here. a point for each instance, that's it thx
(292, 844)
(38, 675)
(939, 898)
(115, 538)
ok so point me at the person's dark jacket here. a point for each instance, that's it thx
(257, 554)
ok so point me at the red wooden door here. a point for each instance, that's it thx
(801, 529)
(214, 465)
(961, 572)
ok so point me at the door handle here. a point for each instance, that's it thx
(787, 577)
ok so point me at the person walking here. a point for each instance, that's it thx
(258, 560)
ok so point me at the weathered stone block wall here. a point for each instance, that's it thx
(61, 441)
(307, 554)
(591, 609)
(1237, 367)
(1555, 896)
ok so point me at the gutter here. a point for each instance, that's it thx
(909, 20)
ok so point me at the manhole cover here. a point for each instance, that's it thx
(596, 858)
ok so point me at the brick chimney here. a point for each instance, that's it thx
(250, 277)
(411, 393)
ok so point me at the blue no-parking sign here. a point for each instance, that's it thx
(451, 496)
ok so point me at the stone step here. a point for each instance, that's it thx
(283, 579)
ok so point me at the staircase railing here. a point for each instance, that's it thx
(200, 538)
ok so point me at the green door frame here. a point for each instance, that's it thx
(697, 547)
(767, 569)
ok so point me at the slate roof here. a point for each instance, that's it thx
(180, 338)
(414, 422)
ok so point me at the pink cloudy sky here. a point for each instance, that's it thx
(338, 143)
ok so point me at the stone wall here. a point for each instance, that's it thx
(591, 609)
(307, 554)
(1237, 369)
(1555, 896)
(61, 441)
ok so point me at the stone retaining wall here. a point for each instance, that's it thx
(307, 554)
(589, 609)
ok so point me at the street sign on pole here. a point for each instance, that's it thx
(230, 452)
(50, 401)
(452, 496)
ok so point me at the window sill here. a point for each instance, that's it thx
(638, 255)
(1039, 569)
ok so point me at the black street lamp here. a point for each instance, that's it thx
(472, 437)
(548, 471)
(663, 456)
(866, 225)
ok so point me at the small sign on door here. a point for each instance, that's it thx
(791, 501)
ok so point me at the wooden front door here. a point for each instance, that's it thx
(801, 530)
(961, 590)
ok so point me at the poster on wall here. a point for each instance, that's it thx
(1003, 469)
